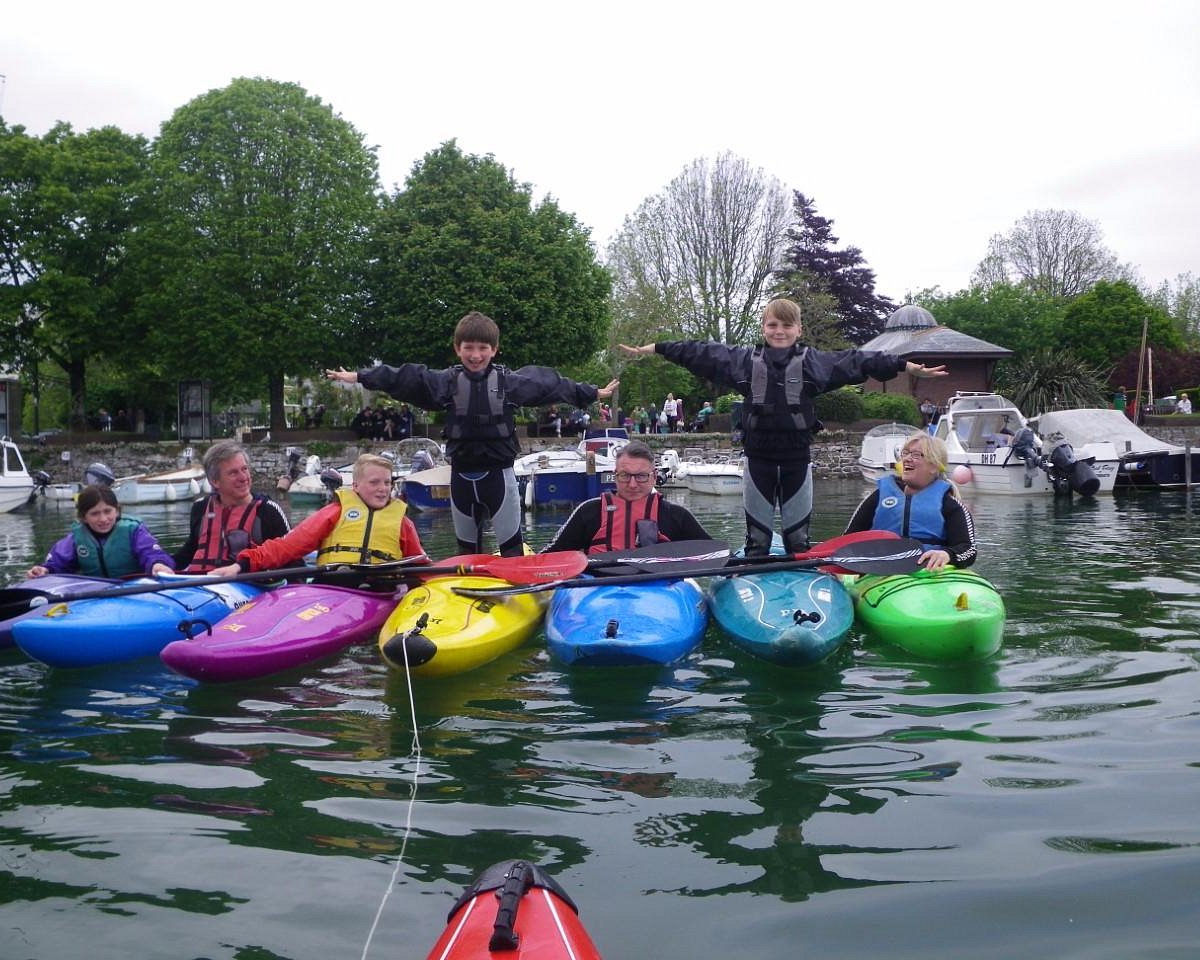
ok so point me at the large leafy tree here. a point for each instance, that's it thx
(1055, 253)
(464, 235)
(829, 284)
(1181, 301)
(1106, 323)
(68, 206)
(264, 198)
(1008, 315)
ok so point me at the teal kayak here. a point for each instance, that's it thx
(790, 617)
(950, 615)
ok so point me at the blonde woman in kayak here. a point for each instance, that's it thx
(921, 503)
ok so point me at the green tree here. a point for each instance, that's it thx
(1051, 378)
(464, 235)
(68, 206)
(1106, 323)
(1181, 301)
(1007, 315)
(264, 198)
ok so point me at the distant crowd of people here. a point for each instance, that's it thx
(383, 423)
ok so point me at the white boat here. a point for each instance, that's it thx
(700, 472)
(314, 484)
(992, 449)
(184, 484)
(1145, 461)
(881, 448)
(16, 485)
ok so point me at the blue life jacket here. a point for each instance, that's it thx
(917, 515)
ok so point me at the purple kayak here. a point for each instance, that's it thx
(287, 627)
(15, 599)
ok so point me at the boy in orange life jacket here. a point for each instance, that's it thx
(637, 516)
(479, 397)
(780, 378)
(230, 518)
(362, 525)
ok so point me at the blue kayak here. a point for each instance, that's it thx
(655, 622)
(789, 617)
(84, 633)
(17, 599)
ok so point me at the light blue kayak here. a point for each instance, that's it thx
(789, 617)
(655, 622)
(84, 633)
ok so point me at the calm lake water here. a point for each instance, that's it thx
(1044, 803)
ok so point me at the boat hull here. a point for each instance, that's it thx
(790, 617)
(288, 627)
(716, 484)
(448, 634)
(53, 585)
(427, 489)
(656, 622)
(86, 633)
(951, 615)
(517, 901)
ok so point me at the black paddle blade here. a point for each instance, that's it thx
(879, 557)
(678, 556)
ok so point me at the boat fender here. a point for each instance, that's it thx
(961, 474)
(188, 628)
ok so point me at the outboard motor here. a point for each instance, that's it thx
(1068, 473)
(100, 474)
(332, 479)
(41, 479)
(1027, 447)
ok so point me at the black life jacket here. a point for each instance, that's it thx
(465, 420)
(799, 407)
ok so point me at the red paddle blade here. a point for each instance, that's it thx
(827, 548)
(538, 568)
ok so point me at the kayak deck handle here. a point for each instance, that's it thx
(806, 616)
(188, 628)
(520, 878)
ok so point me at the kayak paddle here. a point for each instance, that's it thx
(878, 556)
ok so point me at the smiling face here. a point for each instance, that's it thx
(920, 461)
(101, 518)
(374, 486)
(233, 481)
(475, 355)
(778, 332)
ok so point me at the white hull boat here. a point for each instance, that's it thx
(184, 484)
(16, 485)
(880, 449)
(992, 449)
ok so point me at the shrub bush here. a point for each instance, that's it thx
(891, 406)
(840, 406)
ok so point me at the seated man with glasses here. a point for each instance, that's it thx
(635, 516)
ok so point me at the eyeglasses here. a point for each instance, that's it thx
(624, 477)
(912, 455)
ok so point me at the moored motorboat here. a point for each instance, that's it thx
(517, 911)
(655, 622)
(789, 617)
(435, 632)
(719, 475)
(183, 484)
(992, 449)
(16, 484)
(427, 489)
(880, 449)
(287, 627)
(568, 477)
(951, 615)
(82, 632)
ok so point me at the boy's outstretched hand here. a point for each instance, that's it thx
(923, 372)
(603, 393)
(636, 351)
(342, 375)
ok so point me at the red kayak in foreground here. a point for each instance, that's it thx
(516, 911)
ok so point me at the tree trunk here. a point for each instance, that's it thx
(275, 391)
(77, 385)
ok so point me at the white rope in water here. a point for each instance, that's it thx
(415, 756)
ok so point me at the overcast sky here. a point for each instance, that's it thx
(920, 129)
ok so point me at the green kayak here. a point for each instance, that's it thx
(950, 615)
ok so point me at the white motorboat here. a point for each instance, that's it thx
(1145, 461)
(881, 448)
(714, 473)
(16, 484)
(570, 476)
(992, 449)
(185, 484)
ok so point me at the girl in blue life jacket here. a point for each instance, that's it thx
(921, 503)
(102, 543)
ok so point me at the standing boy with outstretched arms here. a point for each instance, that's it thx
(780, 378)
(479, 398)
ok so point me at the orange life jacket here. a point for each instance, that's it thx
(625, 524)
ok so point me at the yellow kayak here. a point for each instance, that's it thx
(434, 632)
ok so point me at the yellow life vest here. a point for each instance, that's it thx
(363, 535)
